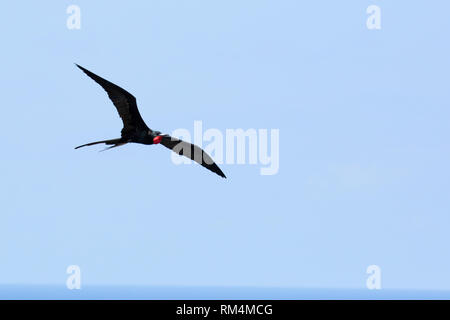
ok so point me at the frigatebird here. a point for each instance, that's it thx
(135, 130)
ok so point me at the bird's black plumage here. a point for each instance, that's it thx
(124, 102)
(191, 151)
(135, 130)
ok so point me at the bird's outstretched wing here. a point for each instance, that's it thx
(124, 102)
(191, 151)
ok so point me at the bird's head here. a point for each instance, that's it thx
(157, 139)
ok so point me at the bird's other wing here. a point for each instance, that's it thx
(124, 102)
(191, 151)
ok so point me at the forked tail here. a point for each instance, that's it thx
(114, 142)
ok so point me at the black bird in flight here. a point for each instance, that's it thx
(135, 130)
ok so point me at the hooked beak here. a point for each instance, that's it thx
(157, 139)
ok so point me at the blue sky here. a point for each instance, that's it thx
(363, 116)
